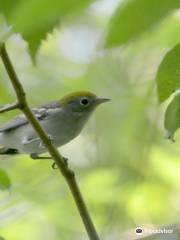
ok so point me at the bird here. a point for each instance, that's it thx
(62, 120)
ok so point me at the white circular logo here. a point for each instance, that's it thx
(138, 231)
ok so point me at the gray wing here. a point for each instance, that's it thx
(16, 122)
(41, 113)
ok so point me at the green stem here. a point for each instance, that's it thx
(66, 172)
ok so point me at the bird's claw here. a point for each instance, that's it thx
(54, 165)
(65, 161)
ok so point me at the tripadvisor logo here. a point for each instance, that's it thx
(138, 230)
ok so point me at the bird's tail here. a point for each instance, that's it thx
(8, 151)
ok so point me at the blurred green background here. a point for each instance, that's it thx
(127, 172)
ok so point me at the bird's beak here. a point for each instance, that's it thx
(100, 100)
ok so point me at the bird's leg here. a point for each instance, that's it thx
(35, 156)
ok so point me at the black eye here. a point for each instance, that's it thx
(84, 101)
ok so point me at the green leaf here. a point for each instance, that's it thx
(172, 117)
(34, 19)
(7, 6)
(168, 75)
(5, 181)
(136, 16)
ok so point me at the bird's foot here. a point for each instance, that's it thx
(54, 165)
(65, 161)
(35, 156)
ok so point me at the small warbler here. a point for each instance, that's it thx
(62, 120)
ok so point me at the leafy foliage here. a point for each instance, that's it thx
(5, 181)
(34, 19)
(172, 117)
(121, 160)
(6, 7)
(168, 75)
(134, 17)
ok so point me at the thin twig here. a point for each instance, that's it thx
(66, 172)
(9, 107)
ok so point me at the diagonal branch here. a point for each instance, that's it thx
(68, 174)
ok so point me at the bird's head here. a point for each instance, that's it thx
(81, 103)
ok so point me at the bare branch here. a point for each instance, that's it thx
(66, 172)
(10, 107)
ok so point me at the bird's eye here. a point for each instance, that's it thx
(84, 101)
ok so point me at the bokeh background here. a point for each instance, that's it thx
(127, 171)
